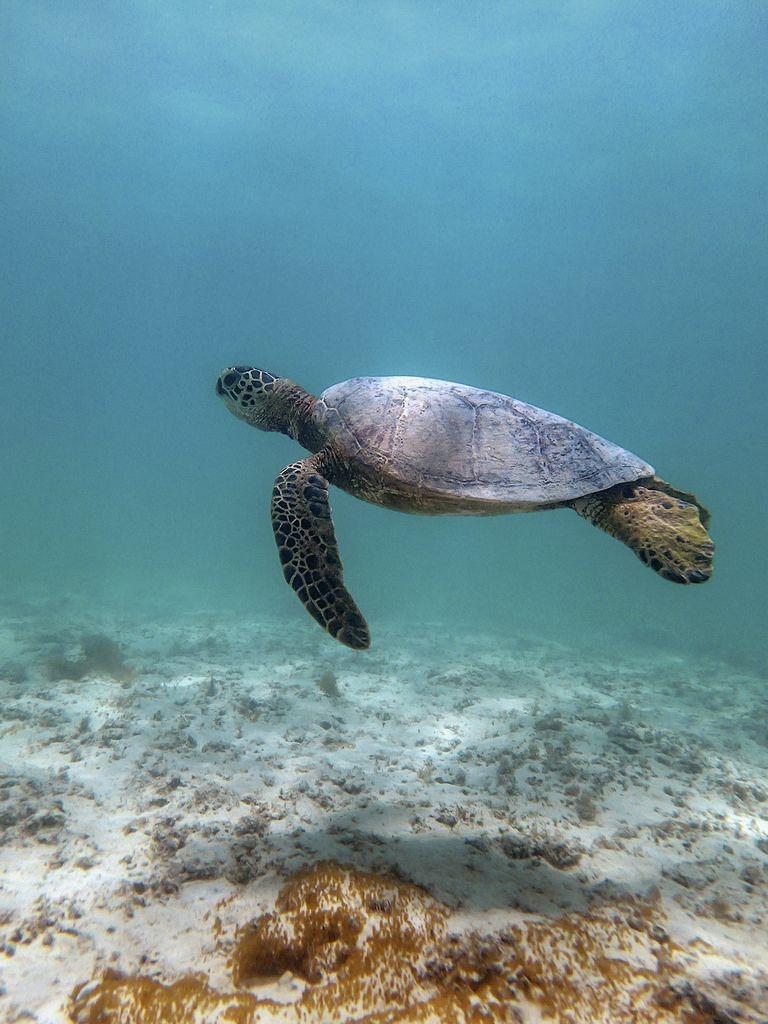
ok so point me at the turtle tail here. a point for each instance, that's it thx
(666, 528)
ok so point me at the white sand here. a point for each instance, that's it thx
(510, 781)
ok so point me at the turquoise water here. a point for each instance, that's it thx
(562, 202)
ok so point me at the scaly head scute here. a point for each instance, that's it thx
(271, 403)
(248, 393)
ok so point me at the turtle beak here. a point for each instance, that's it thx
(227, 380)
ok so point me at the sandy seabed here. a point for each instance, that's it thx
(213, 820)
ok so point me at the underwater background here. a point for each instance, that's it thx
(543, 793)
(562, 202)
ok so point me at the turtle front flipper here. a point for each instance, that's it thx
(301, 519)
(664, 530)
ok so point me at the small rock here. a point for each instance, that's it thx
(751, 874)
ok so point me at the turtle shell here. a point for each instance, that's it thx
(467, 443)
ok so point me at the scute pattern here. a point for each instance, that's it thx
(244, 385)
(306, 542)
(470, 445)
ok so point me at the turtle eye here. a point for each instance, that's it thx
(229, 380)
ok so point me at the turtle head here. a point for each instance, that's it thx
(249, 394)
(269, 403)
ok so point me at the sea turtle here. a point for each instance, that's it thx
(437, 448)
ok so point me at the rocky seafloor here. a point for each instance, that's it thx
(205, 819)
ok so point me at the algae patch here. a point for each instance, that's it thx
(367, 948)
(98, 655)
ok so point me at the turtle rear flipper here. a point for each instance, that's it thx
(306, 542)
(664, 530)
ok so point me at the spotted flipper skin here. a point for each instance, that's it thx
(665, 531)
(306, 542)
